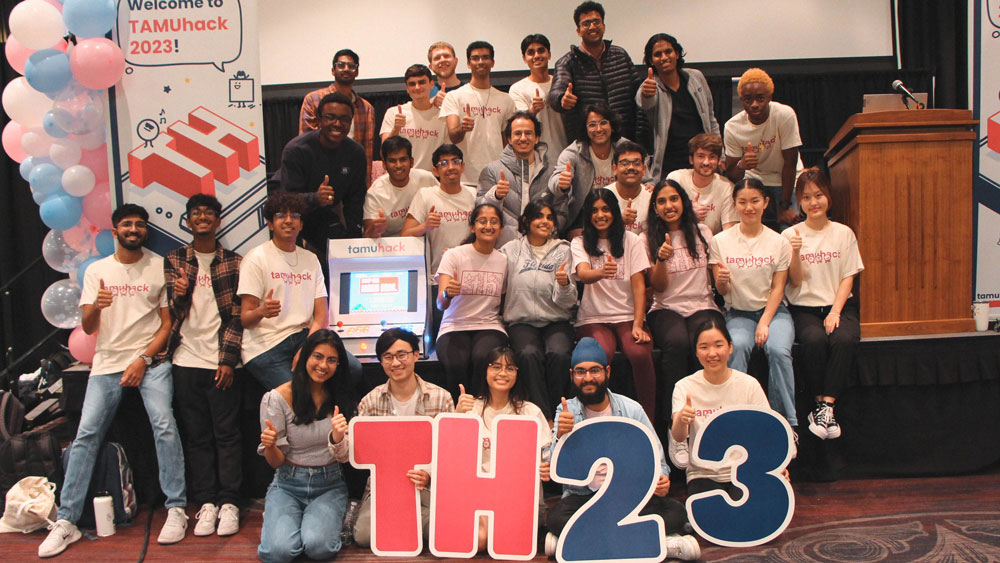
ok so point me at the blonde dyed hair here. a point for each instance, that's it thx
(755, 75)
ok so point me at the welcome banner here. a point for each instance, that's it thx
(986, 178)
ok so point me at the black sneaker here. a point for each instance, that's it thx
(819, 420)
(832, 428)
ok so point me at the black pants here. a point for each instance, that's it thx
(673, 513)
(463, 355)
(543, 361)
(826, 360)
(208, 418)
(672, 335)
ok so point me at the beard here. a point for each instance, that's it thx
(128, 245)
(594, 397)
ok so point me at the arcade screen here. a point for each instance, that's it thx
(391, 291)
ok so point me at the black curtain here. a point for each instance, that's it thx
(935, 36)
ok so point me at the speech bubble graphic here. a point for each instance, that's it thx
(180, 32)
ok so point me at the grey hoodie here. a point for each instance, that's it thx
(533, 296)
(515, 170)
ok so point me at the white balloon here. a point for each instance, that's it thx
(65, 153)
(61, 304)
(78, 180)
(36, 142)
(92, 140)
(59, 255)
(36, 24)
(24, 104)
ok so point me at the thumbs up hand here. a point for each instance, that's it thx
(749, 160)
(568, 100)
(180, 283)
(465, 400)
(502, 186)
(439, 98)
(433, 219)
(649, 85)
(399, 121)
(562, 278)
(104, 297)
(566, 177)
(666, 249)
(700, 211)
(379, 224)
(629, 214)
(565, 422)
(269, 435)
(610, 267)
(796, 241)
(271, 306)
(468, 123)
(454, 287)
(324, 193)
(338, 425)
(538, 102)
(722, 275)
(687, 412)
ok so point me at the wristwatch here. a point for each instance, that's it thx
(147, 359)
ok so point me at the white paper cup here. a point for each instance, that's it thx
(981, 313)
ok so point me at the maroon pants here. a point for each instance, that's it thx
(610, 336)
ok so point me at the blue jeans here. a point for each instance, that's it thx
(781, 334)
(104, 393)
(303, 513)
(274, 367)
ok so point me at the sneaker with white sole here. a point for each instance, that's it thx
(551, 542)
(678, 452)
(819, 420)
(175, 527)
(229, 519)
(61, 534)
(206, 520)
(683, 547)
(832, 428)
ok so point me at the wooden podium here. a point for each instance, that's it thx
(903, 181)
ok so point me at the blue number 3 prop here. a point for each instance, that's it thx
(757, 444)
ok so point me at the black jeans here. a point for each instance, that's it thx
(826, 359)
(673, 513)
(463, 355)
(672, 335)
(543, 355)
(208, 418)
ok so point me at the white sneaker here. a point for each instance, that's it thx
(551, 542)
(678, 452)
(206, 520)
(175, 527)
(62, 533)
(229, 520)
(683, 547)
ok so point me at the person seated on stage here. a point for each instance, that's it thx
(531, 92)
(476, 113)
(326, 169)
(205, 342)
(700, 394)
(711, 193)
(590, 377)
(502, 392)
(762, 142)
(676, 100)
(583, 166)
(124, 300)
(403, 394)
(442, 60)
(417, 120)
(628, 162)
(306, 502)
(283, 295)
(345, 71)
(750, 264)
(388, 200)
(825, 259)
(521, 174)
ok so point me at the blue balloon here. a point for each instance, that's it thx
(40, 197)
(48, 71)
(45, 178)
(83, 268)
(61, 212)
(26, 167)
(89, 18)
(52, 128)
(105, 243)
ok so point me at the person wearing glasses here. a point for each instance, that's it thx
(345, 72)
(629, 166)
(476, 113)
(471, 281)
(762, 142)
(326, 169)
(591, 375)
(502, 392)
(403, 394)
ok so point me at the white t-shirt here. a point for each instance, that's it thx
(127, 325)
(779, 132)
(490, 108)
(641, 205)
(199, 347)
(454, 210)
(690, 288)
(609, 300)
(752, 263)
(424, 129)
(407, 407)
(706, 398)
(395, 202)
(828, 256)
(483, 278)
(718, 196)
(602, 169)
(553, 132)
(489, 413)
(297, 281)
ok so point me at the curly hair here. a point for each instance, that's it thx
(755, 75)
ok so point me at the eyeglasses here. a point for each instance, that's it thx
(203, 213)
(492, 221)
(759, 98)
(596, 124)
(637, 162)
(580, 373)
(388, 357)
(285, 215)
(342, 119)
(479, 58)
(445, 162)
(591, 23)
(344, 65)
(497, 368)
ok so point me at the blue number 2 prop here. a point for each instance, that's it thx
(763, 442)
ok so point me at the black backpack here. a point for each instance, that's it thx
(112, 476)
(35, 452)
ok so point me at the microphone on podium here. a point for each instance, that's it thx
(897, 86)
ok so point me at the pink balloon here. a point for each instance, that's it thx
(82, 345)
(81, 237)
(97, 161)
(56, 4)
(17, 53)
(97, 206)
(12, 134)
(97, 63)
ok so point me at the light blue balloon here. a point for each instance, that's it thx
(48, 71)
(105, 243)
(40, 197)
(45, 178)
(83, 268)
(61, 212)
(89, 18)
(27, 165)
(52, 128)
